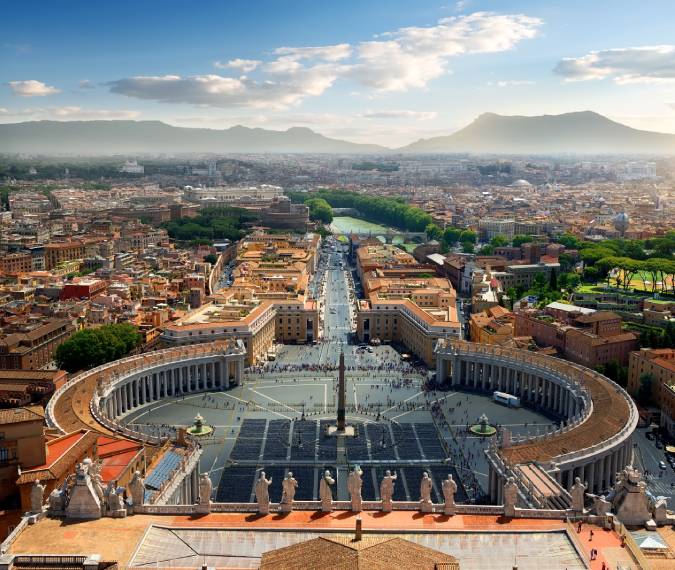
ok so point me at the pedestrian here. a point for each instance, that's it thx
(590, 538)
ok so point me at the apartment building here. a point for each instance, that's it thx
(268, 301)
(31, 346)
(405, 302)
(585, 336)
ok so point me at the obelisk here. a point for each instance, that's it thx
(341, 394)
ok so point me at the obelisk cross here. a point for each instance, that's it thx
(341, 394)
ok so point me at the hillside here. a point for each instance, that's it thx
(582, 133)
(129, 137)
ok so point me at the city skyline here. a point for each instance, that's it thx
(380, 73)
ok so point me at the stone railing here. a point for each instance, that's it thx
(18, 529)
(437, 508)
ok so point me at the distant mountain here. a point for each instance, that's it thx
(578, 133)
(129, 137)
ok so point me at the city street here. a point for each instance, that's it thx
(660, 482)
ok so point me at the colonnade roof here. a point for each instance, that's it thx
(611, 412)
(71, 409)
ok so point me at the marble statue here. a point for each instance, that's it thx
(205, 489)
(601, 506)
(449, 489)
(578, 492)
(510, 497)
(326, 492)
(387, 490)
(114, 501)
(96, 479)
(354, 483)
(58, 498)
(288, 488)
(426, 486)
(262, 493)
(57, 501)
(137, 489)
(36, 497)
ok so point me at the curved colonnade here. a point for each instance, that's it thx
(597, 416)
(95, 399)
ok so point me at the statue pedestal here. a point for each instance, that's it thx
(203, 508)
(285, 507)
(449, 510)
(426, 507)
(387, 506)
(118, 514)
(326, 506)
(333, 431)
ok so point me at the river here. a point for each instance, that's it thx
(347, 224)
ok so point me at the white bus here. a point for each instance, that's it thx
(506, 399)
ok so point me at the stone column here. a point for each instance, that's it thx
(600, 468)
(590, 476)
(441, 368)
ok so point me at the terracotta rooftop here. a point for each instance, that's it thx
(18, 415)
(341, 553)
(61, 453)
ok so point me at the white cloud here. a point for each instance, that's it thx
(646, 64)
(3, 111)
(404, 59)
(400, 114)
(71, 113)
(219, 91)
(510, 83)
(244, 65)
(32, 88)
(335, 52)
(414, 56)
(86, 84)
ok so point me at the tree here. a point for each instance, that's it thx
(320, 210)
(499, 241)
(488, 249)
(210, 258)
(93, 347)
(553, 280)
(451, 236)
(468, 236)
(467, 247)
(569, 241)
(644, 394)
(521, 239)
(433, 232)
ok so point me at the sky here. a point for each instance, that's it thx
(387, 72)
